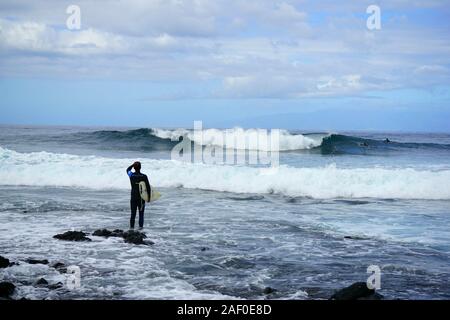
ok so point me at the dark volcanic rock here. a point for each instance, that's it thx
(44, 283)
(106, 233)
(375, 296)
(6, 289)
(118, 233)
(4, 263)
(357, 291)
(134, 237)
(55, 286)
(60, 267)
(41, 282)
(269, 290)
(34, 261)
(72, 236)
(355, 238)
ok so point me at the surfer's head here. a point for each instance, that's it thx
(137, 166)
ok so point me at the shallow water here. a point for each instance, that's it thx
(206, 246)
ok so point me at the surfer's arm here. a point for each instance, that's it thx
(129, 172)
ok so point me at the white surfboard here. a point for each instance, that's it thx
(155, 195)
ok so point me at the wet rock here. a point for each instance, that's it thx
(102, 233)
(357, 291)
(269, 290)
(56, 286)
(118, 233)
(135, 237)
(6, 289)
(35, 261)
(4, 262)
(72, 236)
(60, 267)
(41, 283)
(355, 238)
(375, 296)
(107, 233)
(44, 283)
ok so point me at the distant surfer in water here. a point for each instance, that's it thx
(136, 201)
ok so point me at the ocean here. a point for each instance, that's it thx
(337, 203)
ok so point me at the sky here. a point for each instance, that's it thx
(308, 65)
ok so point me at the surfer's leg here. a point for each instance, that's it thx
(141, 214)
(134, 206)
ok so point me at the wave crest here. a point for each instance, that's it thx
(51, 169)
(216, 137)
(149, 140)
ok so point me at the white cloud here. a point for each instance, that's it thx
(247, 48)
(40, 38)
(330, 85)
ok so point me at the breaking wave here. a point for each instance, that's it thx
(216, 137)
(149, 140)
(53, 169)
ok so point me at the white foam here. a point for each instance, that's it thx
(50, 169)
(215, 137)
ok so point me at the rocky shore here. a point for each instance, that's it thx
(131, 236)
(7, 288)
(356, 291)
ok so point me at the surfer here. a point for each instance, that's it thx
(136, 201)
(387, 140)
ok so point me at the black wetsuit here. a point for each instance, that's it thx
(136, 201)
